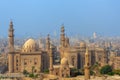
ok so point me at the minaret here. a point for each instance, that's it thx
(48, 43)
(11, 48)
(51, 59)
(87, 66)
(11, 37)
(62, 37)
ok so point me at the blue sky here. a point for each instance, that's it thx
(40, 17)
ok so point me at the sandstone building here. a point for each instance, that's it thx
(33, 59)
(76, 54)
(29, 57)
(114, 60)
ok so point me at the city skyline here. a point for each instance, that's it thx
(46, 17)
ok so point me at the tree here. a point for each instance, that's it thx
(31, 75)
(74, 72)
(46, 71)
(116, 72)
(25, 72)
(106, 69)
(33, 69)
(95, 69)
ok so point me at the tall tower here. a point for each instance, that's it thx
(51, 59)
(11, 48)
(62, 37)
(87, 65)
(11, 37)
(48, 43)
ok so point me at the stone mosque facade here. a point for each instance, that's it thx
(71, 56)
(28, 57)
(76, 54)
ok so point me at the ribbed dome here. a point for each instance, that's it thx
(64, 61)
(29, 46)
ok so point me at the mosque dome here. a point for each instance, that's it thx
(29, 46)
(82, 44)
(64, 61)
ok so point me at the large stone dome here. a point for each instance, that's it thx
(64, 61)
(29, 46)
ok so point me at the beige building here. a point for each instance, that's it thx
(29, 58)
(116, 63)
(114, 60)
(76, 54)
(63, 69)
(33, 59)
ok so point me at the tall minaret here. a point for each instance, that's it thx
(51, 59)
(11, 37)
(11, 48)
(62, 37)
(48, 43)
(87, 66)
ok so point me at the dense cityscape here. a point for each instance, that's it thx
(64, 58)
(59, 40)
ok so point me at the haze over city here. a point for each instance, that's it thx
(60, 40)
(41, 17)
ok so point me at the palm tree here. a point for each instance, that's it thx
(96, 69)
(33, 67)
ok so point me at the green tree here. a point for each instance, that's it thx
(31, 75)
(95, 69)
(111, 73)
(74, 72)
(46, 71)
(33, 69)
(116, 72)
(25, 72)
(106, 69)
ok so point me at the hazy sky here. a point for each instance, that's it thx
(40, 17)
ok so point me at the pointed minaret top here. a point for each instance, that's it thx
(62, 28)
(11, 25)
